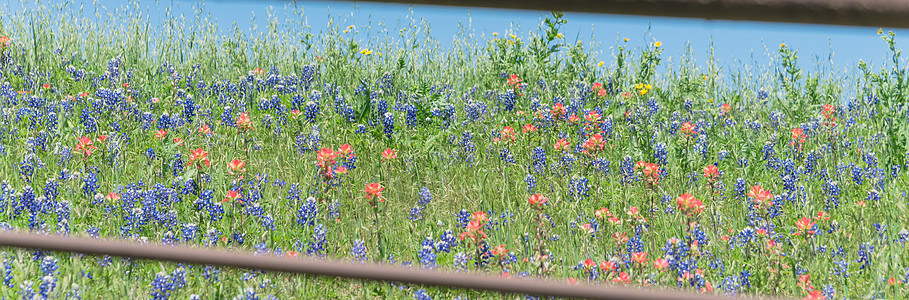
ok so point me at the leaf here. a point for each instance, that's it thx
(190, 174)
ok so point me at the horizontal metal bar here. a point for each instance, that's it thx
(207, 256)
(874, 13)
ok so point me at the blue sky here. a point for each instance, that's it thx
(735, 42)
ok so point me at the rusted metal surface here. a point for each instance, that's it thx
(208, 256)
(874, 13)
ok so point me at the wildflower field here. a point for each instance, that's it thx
(517, 155)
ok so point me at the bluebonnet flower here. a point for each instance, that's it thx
(762, 94)
(334, 211)
(27, 291)
(48, 265)
(506, 156)
(460, 261)
(602, 166)
(416, 213)
(189, 231)
(508, 100)
(227, 118)
(381, 106)
(660, 153)
(829, 291)
(447, 240)
(308, 213)
(628, 170)
(91, 184)
(539, 159)
(298, 102)
(474, 110)
(739, 188)
(215, 211)
(446, 113)
(62, 212)
(238, 237)
(864, 251)
(743, 162)
(425, 197)
(164, 121)
(463, 218)
(427, 254)
(177, 165)
(857, 174)
(28, 165)
(410, 115)
(189, 108)
(7, 270)
(162, 285)
(467, 147)
(873, 195)
(833, 194)
(178, 278)
(317, 245)
(770, 156)
(211, 273)
(358, 251)
(250, 294)
(311, 111)
(841, 268)
(421, 295)
(88, 122)
(578, 188)
(531, 183)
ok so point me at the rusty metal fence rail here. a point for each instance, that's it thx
(204, 256)
(875, 13)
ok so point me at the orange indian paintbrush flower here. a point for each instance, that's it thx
(84, 146)
(236, 165)
(243, 122)
(374, 190)
(232, 195)
(711, 172)
(537, 199)
(198, 157)
(389, 154)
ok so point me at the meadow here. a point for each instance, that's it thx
(515, 153)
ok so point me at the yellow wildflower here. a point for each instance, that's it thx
(657, 44)
(600, 64)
